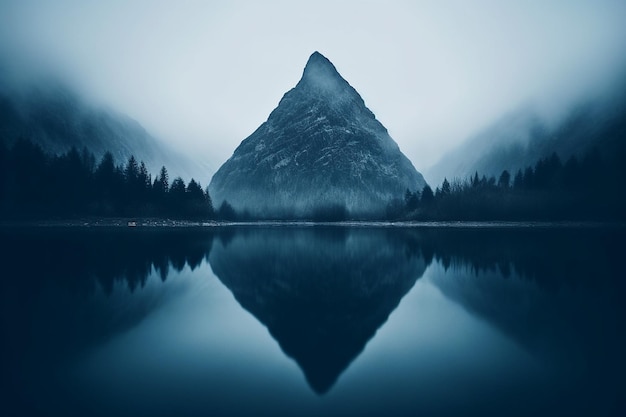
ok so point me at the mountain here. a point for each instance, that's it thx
(521, 138)
(56, 118)
(321, 293)
(320, 149)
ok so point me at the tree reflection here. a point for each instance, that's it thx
(322, 292)
(549, 256)
(558, 294)
(78, 258)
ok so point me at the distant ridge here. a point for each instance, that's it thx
(521, 138)
(56, 118)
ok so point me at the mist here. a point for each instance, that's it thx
(204, 75)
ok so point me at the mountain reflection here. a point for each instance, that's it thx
(79, 258)
(322, 293)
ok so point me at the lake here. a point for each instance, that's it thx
(313, 320)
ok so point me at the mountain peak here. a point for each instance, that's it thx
(321, 151)
(321, 73)
(318, 60)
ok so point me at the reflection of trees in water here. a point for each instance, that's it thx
(549, 256)
(322, 292)
(557, 294)
(49, 275)
(78, 258)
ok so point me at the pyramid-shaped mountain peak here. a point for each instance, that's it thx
(321, 154)
(318, 60)
(319, 72)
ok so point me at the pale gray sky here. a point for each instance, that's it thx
(206, 74)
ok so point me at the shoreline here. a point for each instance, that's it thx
(170, 223)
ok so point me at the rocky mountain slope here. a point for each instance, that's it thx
(320, 149)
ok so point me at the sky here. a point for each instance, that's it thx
(203, 75)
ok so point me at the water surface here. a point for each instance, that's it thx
(313, 321)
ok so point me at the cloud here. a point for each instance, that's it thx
(204, 75)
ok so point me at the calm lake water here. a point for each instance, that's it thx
(313, 321)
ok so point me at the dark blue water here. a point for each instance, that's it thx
(313, 321)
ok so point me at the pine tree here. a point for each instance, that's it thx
(411, 200)
(209, 202)
(504, 180)
(445, 187)
(475, 180)
(178, 189)
(160, 188)
(427, 195)
(164, 181)
(131, 171)
(518, 182)
(144, 176)
(194, 191)
(226, 211)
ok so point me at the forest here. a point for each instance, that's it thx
(36, 185)
(586, 188)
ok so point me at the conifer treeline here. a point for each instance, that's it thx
(588, 188)
(35, 184)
